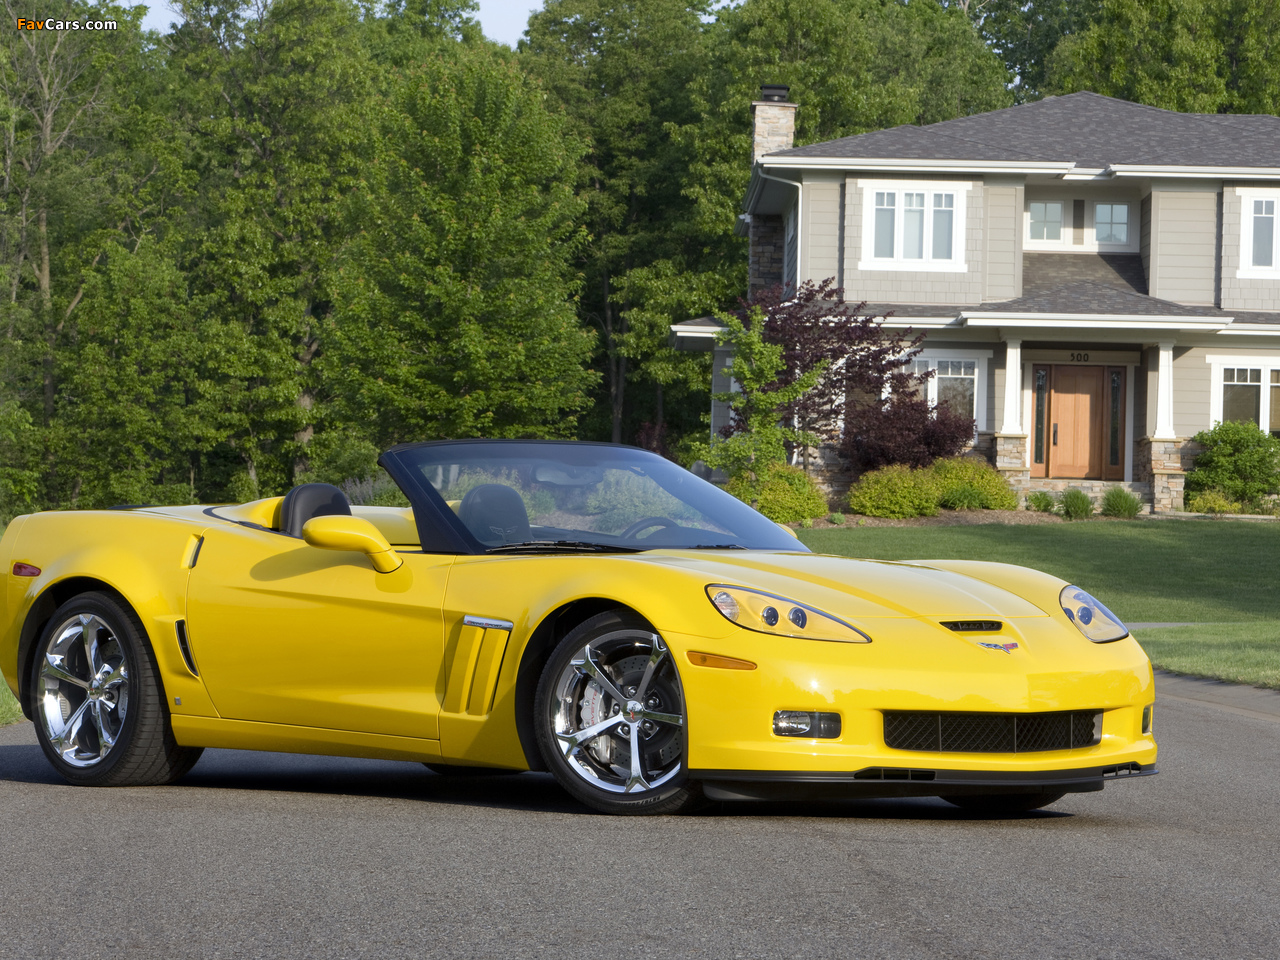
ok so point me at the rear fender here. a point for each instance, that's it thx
(149, 576)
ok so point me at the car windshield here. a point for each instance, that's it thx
(517, 495)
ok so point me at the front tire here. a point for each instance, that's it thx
(100, 714)
(610, 718)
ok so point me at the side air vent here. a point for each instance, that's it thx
(992, 732)
(181, 627)
(973, 626)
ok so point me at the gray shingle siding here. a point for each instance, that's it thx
(1241, 293)
(821, 226)
(1191, 382)
(1004, 242)
(1185, 238)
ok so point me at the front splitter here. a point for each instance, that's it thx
(906, 782)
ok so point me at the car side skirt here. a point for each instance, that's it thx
(872, 782)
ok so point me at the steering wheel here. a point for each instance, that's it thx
(644, 524)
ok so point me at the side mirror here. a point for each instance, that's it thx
(352, 534)
(782, 525)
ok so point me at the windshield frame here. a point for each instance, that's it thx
(441, 531)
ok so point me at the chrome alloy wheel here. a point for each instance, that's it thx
(618, 713)
(82, 690)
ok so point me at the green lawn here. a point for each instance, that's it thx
(10, 712)
(1220, 575)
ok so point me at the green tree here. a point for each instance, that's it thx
(762, 400)
(1025, 32)
(621, 72)
(1165, 53)
(454, 311)
(273, 96)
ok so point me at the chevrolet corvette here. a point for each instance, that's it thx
(590, 610)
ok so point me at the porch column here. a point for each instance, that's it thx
(1164, 393)
(1012, 387)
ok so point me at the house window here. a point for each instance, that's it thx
(886, 217)
(1264, 233)
(1259, 234)
(1046, 220)
(1111, 222)
(954, 385)
(1241, 394)
(913, 226)
(1246, 390)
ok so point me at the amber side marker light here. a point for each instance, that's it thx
(724, 663)
(25, 570)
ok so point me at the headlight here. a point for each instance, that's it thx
(767, 613)
(1090, 617)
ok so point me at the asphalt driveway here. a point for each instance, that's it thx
(265, 855)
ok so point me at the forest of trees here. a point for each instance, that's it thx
(290, 233)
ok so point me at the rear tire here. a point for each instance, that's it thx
(100, 714)
(1004, 802)
(615, 676)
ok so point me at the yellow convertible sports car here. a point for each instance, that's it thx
(588, 609)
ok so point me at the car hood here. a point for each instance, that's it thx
(856, 589)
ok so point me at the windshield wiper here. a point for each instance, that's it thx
(717, 546)
(569, 546)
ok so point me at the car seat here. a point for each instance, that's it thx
(309, 500)
(495, 514)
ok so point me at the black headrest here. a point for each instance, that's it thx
(311, 500)
(494, 514)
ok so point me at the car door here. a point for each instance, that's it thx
(283, 632)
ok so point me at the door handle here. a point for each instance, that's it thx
(1055, 434)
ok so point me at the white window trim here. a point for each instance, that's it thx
(959, 234)
(1218, 363)
(1064, 236)
(982, 360)
(1090, 244)
(1247, 271)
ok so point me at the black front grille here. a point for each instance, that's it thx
(991, 732)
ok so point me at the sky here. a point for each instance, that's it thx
(502, 20)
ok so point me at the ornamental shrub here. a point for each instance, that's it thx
(1240, 460)
(1041, 502)
(1076, 505)
(1119, 502)
(784, 494)
(1212, 501)
(895, 491)
(971, 483)
(836, 518)
(964, 496)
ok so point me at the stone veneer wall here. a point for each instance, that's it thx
(765, 253)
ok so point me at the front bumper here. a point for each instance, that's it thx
(913, 665)
(905, 782)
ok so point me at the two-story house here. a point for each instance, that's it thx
(1097, 280)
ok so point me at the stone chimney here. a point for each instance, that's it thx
(773, 127)
(773, 121)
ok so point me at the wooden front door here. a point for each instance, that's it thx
(1075, 406)
(1078, 422)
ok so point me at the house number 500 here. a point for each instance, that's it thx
(1079, 358)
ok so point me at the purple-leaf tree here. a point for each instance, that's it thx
(869, 402)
